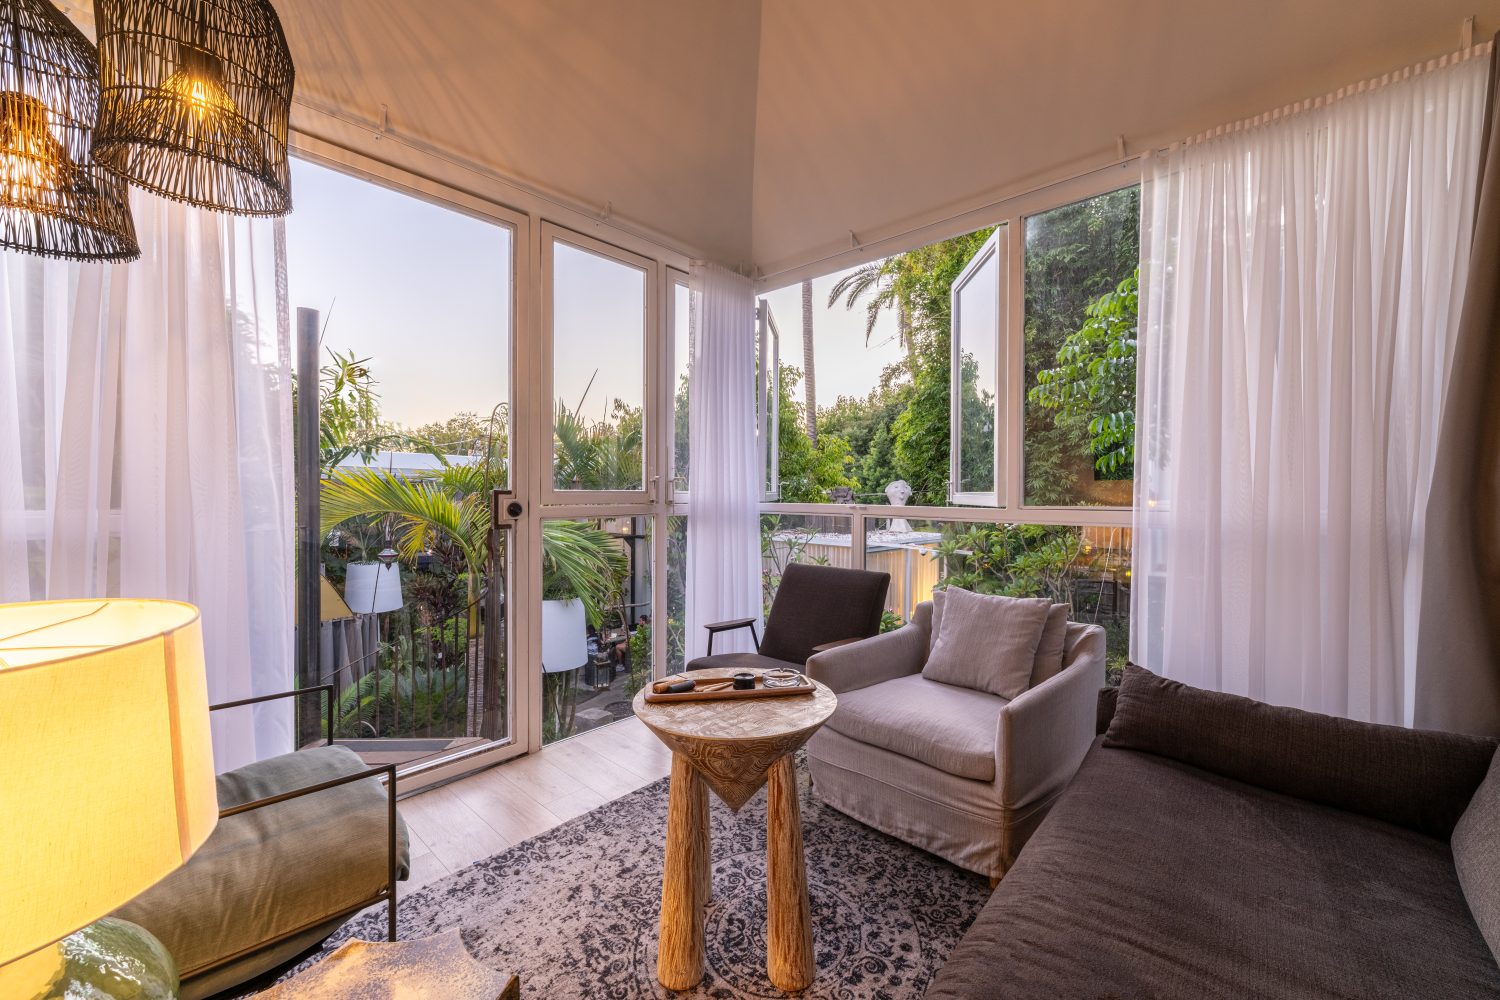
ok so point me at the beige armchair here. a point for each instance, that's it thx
(964, 774)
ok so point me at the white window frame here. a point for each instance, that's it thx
(768, 401)
(675, 279)
(651, 352)
(996, 249)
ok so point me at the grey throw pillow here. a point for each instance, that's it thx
(1476, 855)
(1049, 651)
(987, 643)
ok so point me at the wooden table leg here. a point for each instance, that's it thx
(704, 883)
(679, 956)
(789, 960)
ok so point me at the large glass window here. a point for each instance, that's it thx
(414, 299)
(598, 304)
(1080, 279)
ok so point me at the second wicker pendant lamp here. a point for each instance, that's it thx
(195, 98)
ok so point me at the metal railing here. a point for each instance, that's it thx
(420, 679)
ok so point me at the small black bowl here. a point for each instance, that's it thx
(744, 681)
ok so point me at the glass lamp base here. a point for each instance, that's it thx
(113, 959)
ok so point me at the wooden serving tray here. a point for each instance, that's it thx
(804, 687)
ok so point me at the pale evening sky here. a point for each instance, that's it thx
(424, 292)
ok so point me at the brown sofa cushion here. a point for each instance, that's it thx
(1418, 779)
(1476, 856)
(1152, 880)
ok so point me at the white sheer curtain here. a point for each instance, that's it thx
(1302, 276)
(145, 412)
(723, 555)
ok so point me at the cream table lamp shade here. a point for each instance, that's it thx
(106, 768)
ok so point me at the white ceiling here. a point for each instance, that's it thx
(763, 131)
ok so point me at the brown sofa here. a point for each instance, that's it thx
(1215, 847)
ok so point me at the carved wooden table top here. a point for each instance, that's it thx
(734, 743)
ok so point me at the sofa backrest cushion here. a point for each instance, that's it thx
(1417, 779)
(987, 643)
(1476, 855)
(819, 604)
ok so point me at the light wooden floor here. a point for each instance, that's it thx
(461, 822)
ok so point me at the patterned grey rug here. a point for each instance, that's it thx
(574, 911)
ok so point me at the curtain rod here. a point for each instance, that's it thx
(1452, 58)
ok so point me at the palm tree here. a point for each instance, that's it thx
(807, 362)
(453, 508)
(877, 277)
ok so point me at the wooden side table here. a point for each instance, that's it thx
(734, 747)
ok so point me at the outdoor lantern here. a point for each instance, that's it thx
(195, 101)
(108, 782)
(54, 200)
(373, 587)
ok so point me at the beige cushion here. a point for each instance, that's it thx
(950, 728)
(272, 870)
(1048, 662)
(1476, 855)
(1050, 651)
(987, 643)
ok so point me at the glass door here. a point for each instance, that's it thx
(598, 526)
(406, 319)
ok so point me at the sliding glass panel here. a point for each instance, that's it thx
(1080, 275)
(599, 320)
(415, 304)
(595, 621)
(978, 304)
(1085, 566)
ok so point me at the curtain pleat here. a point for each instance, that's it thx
(723, 554)
(1300, 282)
(1458, 641)
(150, 407)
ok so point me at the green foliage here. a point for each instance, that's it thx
(640, 659)
(1075, 254)
(808, 471)
(1094, 379)
(890, 621)
(1017, 560)
(912, 403)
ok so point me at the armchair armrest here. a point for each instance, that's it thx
(1043, 733)
(714, 628)
(825, 646)
(853, 665)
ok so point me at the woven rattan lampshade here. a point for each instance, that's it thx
(194, 101)
(54, 200)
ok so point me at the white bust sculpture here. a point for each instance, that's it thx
(897, 494)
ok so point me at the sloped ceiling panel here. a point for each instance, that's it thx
(879, 115)
(648, 105)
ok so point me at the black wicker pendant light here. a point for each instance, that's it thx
(54, 200)
(195, 99)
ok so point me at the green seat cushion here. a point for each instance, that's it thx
(276, 870)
